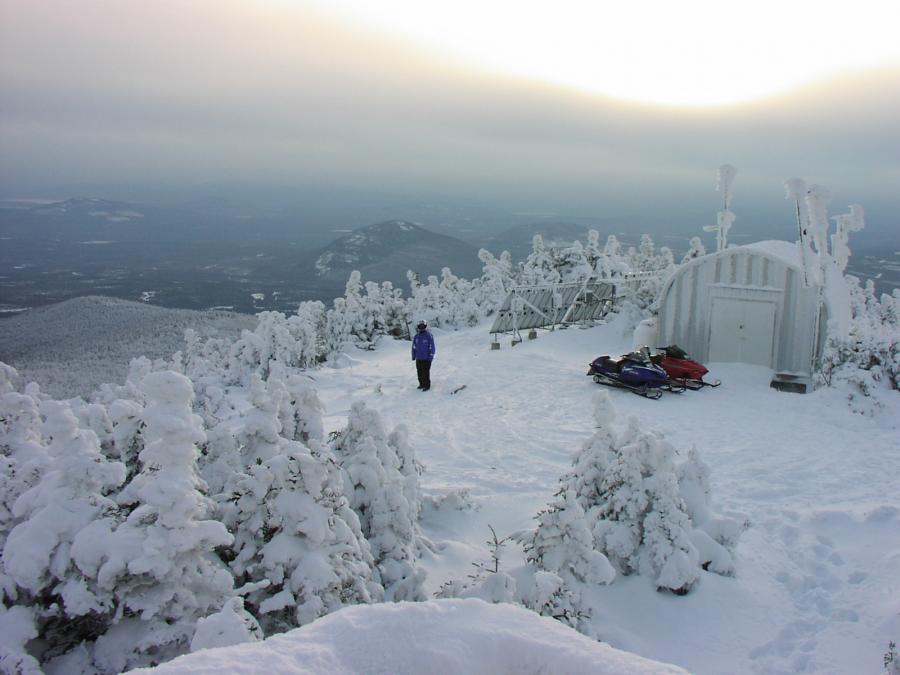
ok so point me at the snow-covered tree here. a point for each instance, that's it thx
(409, 467)
(593, 250)
(573, 264)
(636, 500)
(613, 263)
(54, 515)
(696, 249)
(496, 279)
(363, 313)
(640, 519)
(866, 360)
(378, 493)
(562, 543)
(159, 563)
(337, 330)
(654, 268)
(310, 334)
(299, 551)
(488, 582)
(715, 537)
(549, 595)
(23, 455)
(395, 313)
(539, 267)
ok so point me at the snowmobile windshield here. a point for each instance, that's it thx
(638, 356)
(675, 352)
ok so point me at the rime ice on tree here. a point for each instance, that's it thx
(41, 553)
(379, 493)
(647, 513)
(159, 561)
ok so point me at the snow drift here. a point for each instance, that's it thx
(438, 636)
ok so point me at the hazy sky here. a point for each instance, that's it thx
(484, 100)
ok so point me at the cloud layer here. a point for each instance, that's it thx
(170, 92)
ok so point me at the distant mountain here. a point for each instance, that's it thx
(385, 251)
(87, 219)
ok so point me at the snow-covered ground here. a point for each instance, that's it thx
(451, 637)
(817, 583)
(817, 587)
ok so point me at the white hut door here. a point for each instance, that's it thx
(742, 331)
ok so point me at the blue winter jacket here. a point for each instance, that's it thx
(423, 346)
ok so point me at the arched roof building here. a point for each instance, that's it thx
(747, 304)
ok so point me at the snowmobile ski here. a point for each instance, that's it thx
(653, 393)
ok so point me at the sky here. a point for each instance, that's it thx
(530, 105)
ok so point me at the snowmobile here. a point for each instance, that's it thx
(682, 368)
(635, 372)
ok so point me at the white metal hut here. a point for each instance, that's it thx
(747, 304)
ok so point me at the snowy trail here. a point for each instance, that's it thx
(818, 581)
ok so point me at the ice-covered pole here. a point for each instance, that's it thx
(796, 190)
(726, 217)
(817, 198)
(726, 178)
(853, 221)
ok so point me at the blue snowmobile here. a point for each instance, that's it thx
(635, 372)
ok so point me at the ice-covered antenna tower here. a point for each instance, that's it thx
(726, 217)
(853, 221)
(796, 190)
(817, 198)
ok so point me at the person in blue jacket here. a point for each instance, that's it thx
(423, 354)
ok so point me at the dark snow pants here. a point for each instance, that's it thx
(423, 370)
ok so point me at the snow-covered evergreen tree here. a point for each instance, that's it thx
(409, 467)
(159, 562)
(627, 492)
(696, 249)
(641, 521)
(394, 310)
(715, 537)
(299, 550)
(539, 267)
(496, 279)
(23, 455)
(310, 334)
(38, 554)
(867, 360)
(573, 264)
(593, 250)
(613, 262)
(364, 319)
(378, 493)
(337, 330)
(549, 595)
(488, 582)
(562, 543)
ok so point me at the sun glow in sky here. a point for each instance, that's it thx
(688, 52)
